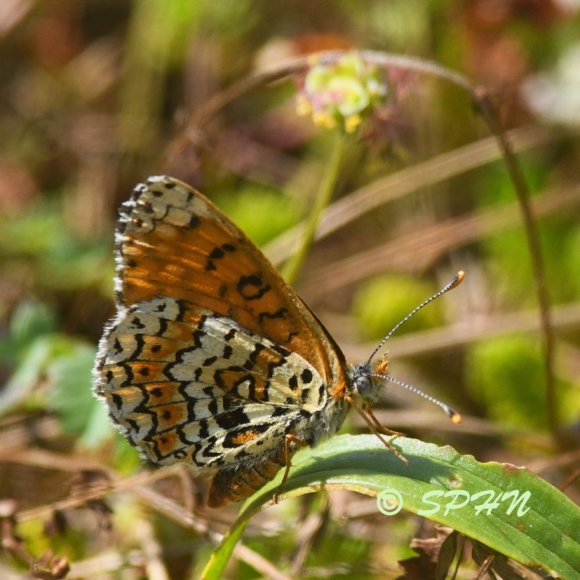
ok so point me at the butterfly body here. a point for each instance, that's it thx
(212, 359)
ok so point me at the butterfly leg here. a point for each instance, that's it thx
(289, 439)
(377, 428)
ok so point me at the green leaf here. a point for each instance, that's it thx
(36, 359)
(71, 397)
(30, 320)
(61, 366)
(541, 532)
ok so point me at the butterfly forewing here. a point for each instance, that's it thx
(174, 242)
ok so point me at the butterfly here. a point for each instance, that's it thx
(212, 359)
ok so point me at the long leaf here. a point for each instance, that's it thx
(517, 513)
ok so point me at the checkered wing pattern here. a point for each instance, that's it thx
(211, 359)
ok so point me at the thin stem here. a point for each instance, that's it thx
(300, 65)
(491, 117)
(325, 192)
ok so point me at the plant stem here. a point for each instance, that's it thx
(325, 192)
(491, 117)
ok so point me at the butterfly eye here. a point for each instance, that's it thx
(362, 380)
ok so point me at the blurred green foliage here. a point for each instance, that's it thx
(41, 240)
(71, 399)
(380, 303)
(259, 211)
(506, 375)
(53, 370)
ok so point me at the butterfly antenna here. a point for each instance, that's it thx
(451, 413)
(457, 279)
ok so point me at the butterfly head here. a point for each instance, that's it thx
(367, 381)
(365, 384)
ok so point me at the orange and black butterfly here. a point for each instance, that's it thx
(212, 359)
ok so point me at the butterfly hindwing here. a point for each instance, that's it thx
(180, 381)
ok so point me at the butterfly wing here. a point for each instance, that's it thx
(212, 358)
(187, 384)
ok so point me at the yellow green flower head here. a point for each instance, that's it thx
(340, 93)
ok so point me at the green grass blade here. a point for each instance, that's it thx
(542, 532)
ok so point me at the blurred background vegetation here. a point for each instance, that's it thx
(96, 95)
